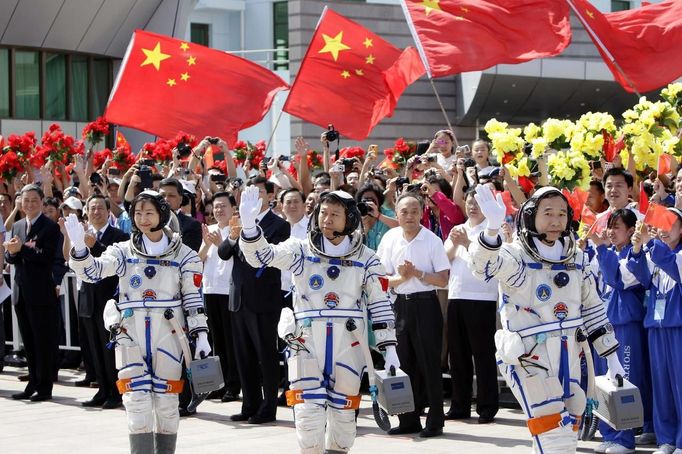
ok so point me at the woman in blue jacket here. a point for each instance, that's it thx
(657, 267)
(624, 299)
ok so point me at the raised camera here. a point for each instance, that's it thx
(332, 134)
(401, 181)
(184, 149)
(364, 208)
(213, 140)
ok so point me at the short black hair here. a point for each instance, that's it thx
(444, 186)
(98, 196)
(627, 215)
(371, 187)
(49, 201)
(616, 171)
(33, 187)
(598, 184)
(172, 182)
(225, 194)
(269, 186)
(289, 191)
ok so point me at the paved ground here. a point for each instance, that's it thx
(63, 426)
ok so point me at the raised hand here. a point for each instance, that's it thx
(250, 207)
(491, 206)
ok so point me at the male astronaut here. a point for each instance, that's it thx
(549, 308)
(159, 280)
(337, 288)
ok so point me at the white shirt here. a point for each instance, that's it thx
(100, 231)
(155, 248)
(444, 162)
(299, 231)
(462, 283)
(217, 272)
(425, 251)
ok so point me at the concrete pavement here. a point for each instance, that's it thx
(63, 426)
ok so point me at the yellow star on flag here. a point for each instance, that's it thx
(590, 13)
(459, 17)
(370, 59)
(184, 46)
(368, 43)
(333, 45)
(359, 72)
(345, 74)
(184, 77)
(191, 61)
(430, 5)
(465, 9)
(154, 56)
(170, 82)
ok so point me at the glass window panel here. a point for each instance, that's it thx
(27, 80)
(620, 5)
(199, 34)
(4, 82)
(101, 85)
(55, 86)
(78, 96)
(281, 34)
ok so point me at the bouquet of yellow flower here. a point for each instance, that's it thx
(671, 94)
(507, 143)
(589, 131)
(532, 134)
(557, 133)
(569, 169)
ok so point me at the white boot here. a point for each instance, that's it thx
(648, 438)
(601, 448)
(665, 449)
(616, 448)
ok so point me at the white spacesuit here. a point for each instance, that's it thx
(549, 306)
(157, 281)
(327, 331)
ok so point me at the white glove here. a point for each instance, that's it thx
(202, 345)
(287, 323)
(615, 368)
(391, 358)
(250, 207)
(492, 207)
(76, 233)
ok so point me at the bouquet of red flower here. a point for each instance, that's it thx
(98, 157)
(160, 151)
(352, 152)
(313, 158)
(246, 151)
(122, 159)
(17, 154)
(95, 131)
(189, 139)
(222, 165)
(10, 164)
(59, 147)
(398, 155)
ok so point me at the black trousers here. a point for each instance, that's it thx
(255, 343)
(38, 327)
(419, 330)
(471, 327)
(103, 358)
(220, 330)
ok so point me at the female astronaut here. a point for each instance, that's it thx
(337, 287)
(549, 308)
(159, 279)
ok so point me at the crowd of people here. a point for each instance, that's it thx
(453, 254)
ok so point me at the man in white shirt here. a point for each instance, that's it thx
(416, 265)
(216, 290)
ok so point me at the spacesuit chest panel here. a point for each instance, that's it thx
(555, 295)
(150, 281)
(329, 284)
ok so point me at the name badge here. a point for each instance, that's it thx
(659, 309)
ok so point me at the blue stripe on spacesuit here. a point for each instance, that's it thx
(564, 371)
(329, 352)
(555, 267)
(549, 401)
(148, 341)
(346, 366)
(525, 403)
(296, 267)
(265, 258)
(153, 262)
(169, 354)
(513, 280)
(304, 379)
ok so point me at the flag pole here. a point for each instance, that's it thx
(272, 133)
(601, 45)
(425, 61)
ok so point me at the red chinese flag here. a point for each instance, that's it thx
(587, 216)
(643, 199)
(600, 223)
(166, 85)
(645, 42)
(660, 217)
(350, 77)
(471, 35)
(665, 162)
(576, 200)
(509, 203)
(121, 141)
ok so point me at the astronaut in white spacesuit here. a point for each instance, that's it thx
(337, 287)
(159, 279)
(549, 308)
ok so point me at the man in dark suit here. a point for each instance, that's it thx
(256, 301)
(190, 229)
(91, 301)
(31, 250)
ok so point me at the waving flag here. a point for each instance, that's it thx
(167, 85)
(350, 77)
(456, 36)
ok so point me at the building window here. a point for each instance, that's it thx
(620, 5)
(281, 34)
(78, 88)
(4, 82)
(199, 34)
(27, 77)
(55, 86)
(101, 84)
